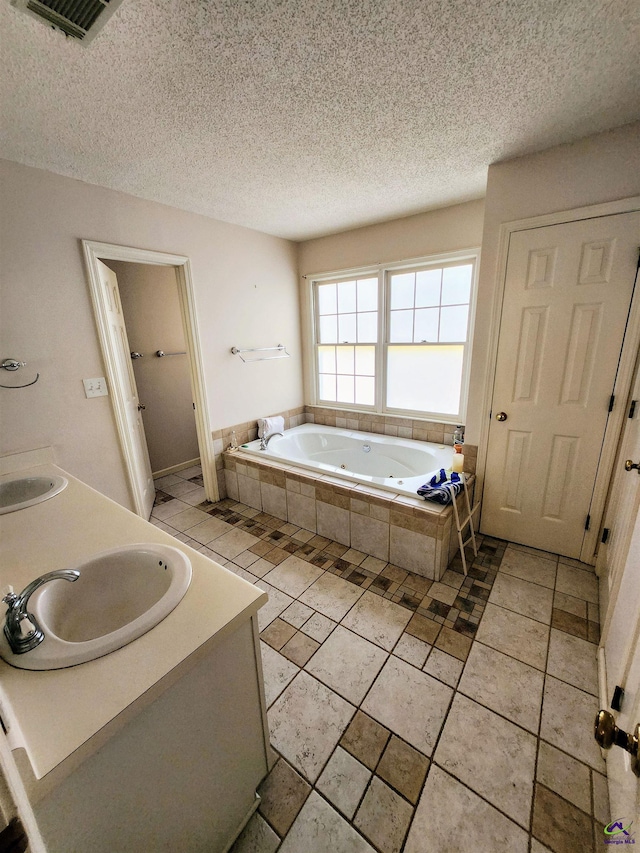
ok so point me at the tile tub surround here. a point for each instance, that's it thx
(374, 777)
(411, 533)
(417, 430)
(245, 432)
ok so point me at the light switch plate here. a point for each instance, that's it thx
(95, 387)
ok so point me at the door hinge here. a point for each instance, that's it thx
(587, 523)
(605, 535)
(618, 696)
(632, 408)
(611, 402)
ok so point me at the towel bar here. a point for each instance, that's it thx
(280, 348)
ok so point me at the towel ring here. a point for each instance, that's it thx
(13, 364)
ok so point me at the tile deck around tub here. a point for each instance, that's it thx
(380, 685)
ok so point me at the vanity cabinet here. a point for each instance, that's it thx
(180, 775)
(157, 746)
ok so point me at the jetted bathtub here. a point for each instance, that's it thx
(397, 465)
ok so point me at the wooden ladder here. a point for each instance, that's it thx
(462, 523)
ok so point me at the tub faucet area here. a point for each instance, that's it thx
(264, 442)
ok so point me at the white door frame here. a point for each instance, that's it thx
(626, 366)
(93, 252)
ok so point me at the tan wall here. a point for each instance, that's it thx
(152, 314)
(594, 170)
(246, 294)
(444, 230)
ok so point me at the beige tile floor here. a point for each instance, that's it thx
(411, 716)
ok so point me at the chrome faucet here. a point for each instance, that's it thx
(264, 442)
(19, 639)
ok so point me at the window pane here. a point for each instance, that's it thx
(327, 299)
(456, 284)
(428, 288)
(346, 328)
(346, 297)
(326, 359)
(401, 326)
(402, 290)
(329, 329)
(425, 379)
(327, 387)
(426, 325)
(368, 327)
(344, 360)
(368, 294)
(453, 323)
(365, 390)
(366, 361)
(345, 389)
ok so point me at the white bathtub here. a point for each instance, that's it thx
(397, 465)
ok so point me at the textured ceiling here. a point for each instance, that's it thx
(305, 117)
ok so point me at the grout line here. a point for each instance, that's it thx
(484, 798)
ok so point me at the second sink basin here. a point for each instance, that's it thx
(22, 492)
(120, 595)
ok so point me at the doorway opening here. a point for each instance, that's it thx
(149, 296)
(138, 296)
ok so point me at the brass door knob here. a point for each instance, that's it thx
(501, 416)
(608, 734)
(629, 465)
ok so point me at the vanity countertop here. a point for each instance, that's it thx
(52, 714)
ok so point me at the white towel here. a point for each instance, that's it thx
(267, 426)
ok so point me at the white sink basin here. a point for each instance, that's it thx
(120, 595)
(27, 491)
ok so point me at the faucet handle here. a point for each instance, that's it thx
(27, 628)
(8, 594)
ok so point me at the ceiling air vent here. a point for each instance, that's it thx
(79, 19)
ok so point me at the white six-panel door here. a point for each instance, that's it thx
(567, 294)
(141, 466)
(620, 609)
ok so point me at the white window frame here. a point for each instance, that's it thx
(383, 273)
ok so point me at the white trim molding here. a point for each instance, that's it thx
(381, 272)
(94, 252)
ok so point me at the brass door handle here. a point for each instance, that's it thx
(608, 734)
(629, 465)
(501, 416)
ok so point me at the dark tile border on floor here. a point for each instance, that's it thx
(405, 588)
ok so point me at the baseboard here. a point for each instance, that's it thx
(245, 821)
(175, 468)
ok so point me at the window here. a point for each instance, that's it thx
(396, 339)
(347, 332)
